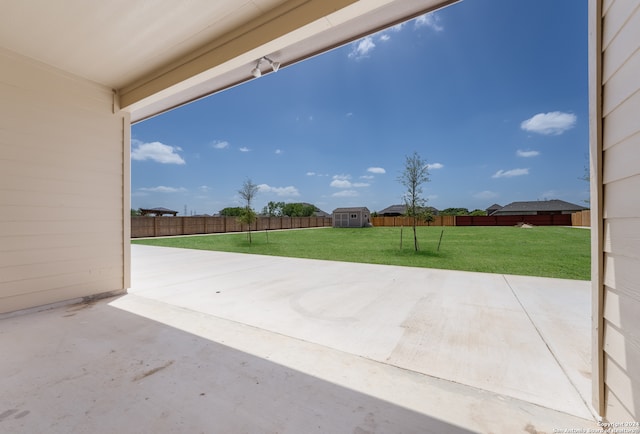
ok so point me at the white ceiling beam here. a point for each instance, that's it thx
(227, 52)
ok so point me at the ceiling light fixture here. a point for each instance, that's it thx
(256, 70)
(274, 65)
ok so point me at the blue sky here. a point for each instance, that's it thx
(491, 93)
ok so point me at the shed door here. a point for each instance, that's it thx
(342, 220)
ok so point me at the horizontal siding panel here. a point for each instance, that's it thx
(83, 226)
(54, 199)
(616, 411)
(621, 311)
(36, 257)
(43, 214)
(23, 173)
(618, 348)
(85, 135)
(622, 122)
(91, 189)
(32, 242)
(622, 236)
(69, 290)
(616, 16)
(621, 161)
(622, 274)
(622, 84)
(17, 278)
(623, 387)
(621, 198)
(623, 45)
(100, 152)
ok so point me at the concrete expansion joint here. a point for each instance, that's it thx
(553, 354)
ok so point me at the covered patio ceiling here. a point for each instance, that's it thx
(162, 54)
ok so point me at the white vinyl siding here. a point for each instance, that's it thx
(63, 168)
(621, 209)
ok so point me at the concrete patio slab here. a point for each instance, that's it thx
(467, 327)
(216, 342)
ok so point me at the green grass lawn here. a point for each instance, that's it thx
(541, 251)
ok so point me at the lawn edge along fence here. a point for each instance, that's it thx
(168, 226)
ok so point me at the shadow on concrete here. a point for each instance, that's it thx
(101, 369)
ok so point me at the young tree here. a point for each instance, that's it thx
(415, 174)
(248, 193)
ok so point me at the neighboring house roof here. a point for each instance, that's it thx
(402, 209)
(318, 212)
(353, 209)
(158, 210)
(394, 209)
(542, 205)
(494, 207)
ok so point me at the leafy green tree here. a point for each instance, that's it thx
(236, 211)
(297, 209)
(478, 212)
(248, 193)
(454, 211)
(415, 174)
(135, 212)
(273, 209)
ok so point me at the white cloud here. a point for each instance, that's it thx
(435, 166)
(244, 149)
(204, 188)
(163, 189)
(220, 144)
(367, 177)
(278, 151)
(379, 170)
(311, 173)
(397, 27)
(156, 151)
(510, 173)
(486, 194)
(349, 114)
(289, 191)
(552, 123)
(384, 37)
(527, 154)
(362, 48)
(345, 193)
(340, 183)
(430, 20)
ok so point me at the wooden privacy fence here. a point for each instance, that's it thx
(581, 218)
(440, 220)
(512, 220)
(167, 226)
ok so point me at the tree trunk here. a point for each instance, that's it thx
(415, 236)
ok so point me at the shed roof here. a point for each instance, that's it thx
(352, 209)
(542, 205)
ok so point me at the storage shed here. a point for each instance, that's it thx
(357, 217)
